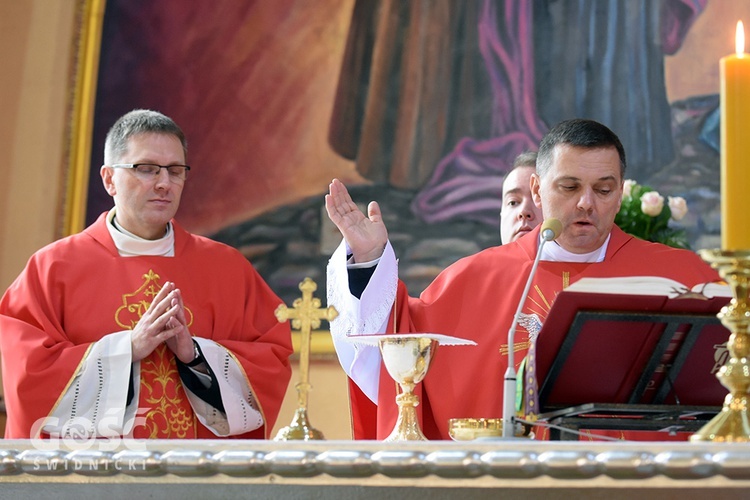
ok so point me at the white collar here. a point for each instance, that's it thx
(130, 245)
(555, 253)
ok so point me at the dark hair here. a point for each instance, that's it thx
(580, 133)
(525, 159)
(138, 121)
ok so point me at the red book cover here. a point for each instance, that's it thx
(601, 355)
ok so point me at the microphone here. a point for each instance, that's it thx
(550, 230)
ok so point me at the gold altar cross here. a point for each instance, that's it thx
(305, 315)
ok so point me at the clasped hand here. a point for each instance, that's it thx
(164, 321)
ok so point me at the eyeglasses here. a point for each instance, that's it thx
(150, 171)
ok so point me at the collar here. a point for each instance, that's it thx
(555, 253)
(130, 245)
(617, 240)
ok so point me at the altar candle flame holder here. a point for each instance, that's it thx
(731, 424)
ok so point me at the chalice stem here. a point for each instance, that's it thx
(407, 424)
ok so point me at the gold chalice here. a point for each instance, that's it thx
(407, 357)
(407, 360)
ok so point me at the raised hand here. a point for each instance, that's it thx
(366, 235)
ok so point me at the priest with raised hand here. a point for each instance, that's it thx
(579, 181)
(137, 328)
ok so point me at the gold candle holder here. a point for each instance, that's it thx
(732, 423)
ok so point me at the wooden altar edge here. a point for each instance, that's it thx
(370, 463)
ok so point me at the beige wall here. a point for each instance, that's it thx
(37, 43)
(328, 401)
(694, 69)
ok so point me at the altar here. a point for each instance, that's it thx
(370, 469)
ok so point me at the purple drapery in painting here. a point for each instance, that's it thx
(467, 183)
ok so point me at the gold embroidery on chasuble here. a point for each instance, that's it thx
(530, 382)
(168, 413)
(536, 309)
(136, 303)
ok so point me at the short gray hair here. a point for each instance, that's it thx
(138, 121)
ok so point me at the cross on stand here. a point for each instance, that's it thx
(305, 314)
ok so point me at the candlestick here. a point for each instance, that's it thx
(732, 424)
(735, 146)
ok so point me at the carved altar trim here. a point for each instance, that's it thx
(510, 464)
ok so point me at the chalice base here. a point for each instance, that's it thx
(730, 425)
(407, 426)
(299, 430)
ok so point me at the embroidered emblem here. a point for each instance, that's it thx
(169, 412)
(538, 306)
(531, 323)
(136, 303)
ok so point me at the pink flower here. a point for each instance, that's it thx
(678, 206)
(652, 203)
(627, 187)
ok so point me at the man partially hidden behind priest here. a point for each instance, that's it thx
(579, 180)
(137, 328)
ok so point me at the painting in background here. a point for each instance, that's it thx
(421, 105)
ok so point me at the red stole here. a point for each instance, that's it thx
(168, 412)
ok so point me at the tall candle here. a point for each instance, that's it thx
(735, 147)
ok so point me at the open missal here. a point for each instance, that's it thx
(650, 285)
(634, 340)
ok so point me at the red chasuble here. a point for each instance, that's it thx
(78, 289)
(476, 299)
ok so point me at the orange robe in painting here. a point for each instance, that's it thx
(78, 289)
(476, 298)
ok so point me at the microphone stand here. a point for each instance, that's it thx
(509, 392)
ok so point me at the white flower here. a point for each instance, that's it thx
(652, 203)
(678, 206)
(627, 187)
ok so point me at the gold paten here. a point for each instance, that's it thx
(468, 429)
(305, 314)
(732, 424)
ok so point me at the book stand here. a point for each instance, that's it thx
(651, 369)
